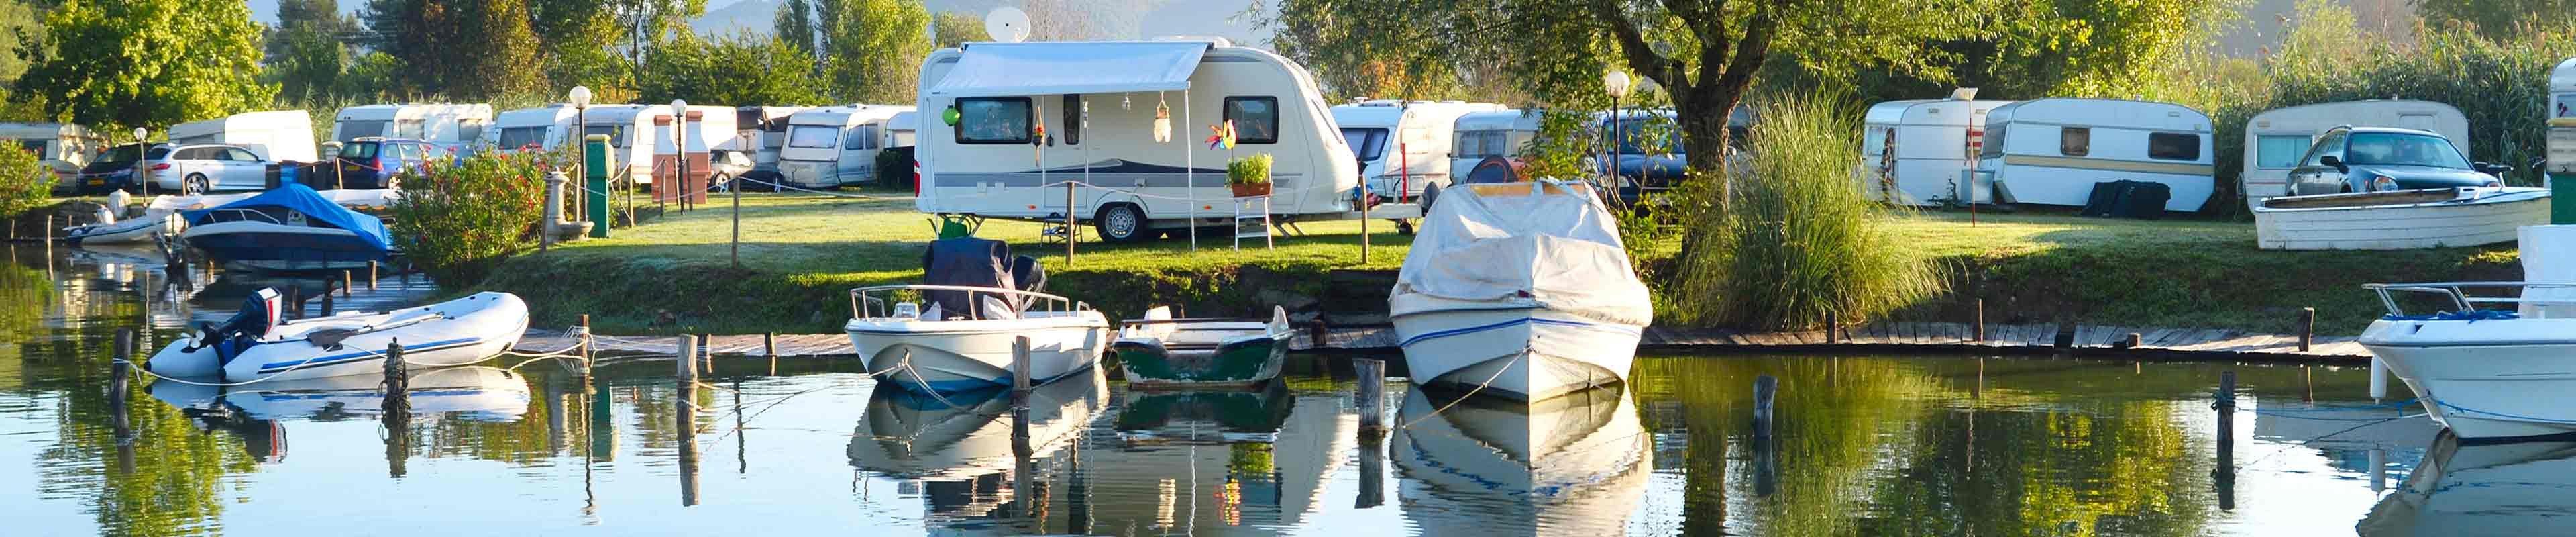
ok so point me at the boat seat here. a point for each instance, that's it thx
(967, 262)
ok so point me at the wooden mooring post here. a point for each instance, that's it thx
(1370, 396)
(2224, 475)
(327, 309)
(345, 278)
(295, 299)
(587, 346)
(2307, 328)
(769, 347)
(119, 390)
(1833, 327)
(683, 417)
(397, 410)
(1977, 323)
(1020, 382)
(371, 274)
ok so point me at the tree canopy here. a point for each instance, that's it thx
(147, 62)
(740, 69)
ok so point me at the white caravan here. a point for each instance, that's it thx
(449, 126)
(1403, 144)
(63, 147)
(274, 136)
(903, 129)
(1482, 135)
(1920, 148)
(764, 130)
(2562, 118)
(2274, 140)
(1006, 94)
(2052, 151)
(628, 127)
(544, 128)
(835, 145)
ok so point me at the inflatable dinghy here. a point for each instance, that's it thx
(256, 345)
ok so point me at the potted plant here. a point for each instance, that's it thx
(1249, 176)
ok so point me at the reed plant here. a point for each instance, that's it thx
(1796, 240)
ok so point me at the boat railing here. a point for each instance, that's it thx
(2457, 293)
(238, 215)
(866, 304)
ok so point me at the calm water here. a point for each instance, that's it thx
(1866, 445)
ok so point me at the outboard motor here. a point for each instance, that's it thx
(258, 314)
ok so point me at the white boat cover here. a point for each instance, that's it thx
(1004, 69)
(1497, 241)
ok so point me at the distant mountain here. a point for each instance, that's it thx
(756, 16)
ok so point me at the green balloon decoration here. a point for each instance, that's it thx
(950, 116)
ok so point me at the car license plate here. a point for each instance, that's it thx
(98, 182)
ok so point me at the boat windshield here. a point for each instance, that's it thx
(2402, 149)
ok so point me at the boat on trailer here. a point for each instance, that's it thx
(1520, 290)
(956, 333)
(258, 345)
(2398, 220)
(1162, 351)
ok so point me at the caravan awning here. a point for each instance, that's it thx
(1001, 69)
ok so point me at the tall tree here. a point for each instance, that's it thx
(466, 49)
(183, 60)
(949, 29)
(736, 70)
(874, 48)
(795, 25)
(2499, 19)
(578, 36)
(649, 22)
(20, 26)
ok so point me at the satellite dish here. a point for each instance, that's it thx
(1007, 24)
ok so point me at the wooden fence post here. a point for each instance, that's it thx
(2307, 328)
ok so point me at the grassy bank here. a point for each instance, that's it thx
(801, 254)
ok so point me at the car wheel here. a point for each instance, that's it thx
(195, 184)
(1122, 222)
(720, 183)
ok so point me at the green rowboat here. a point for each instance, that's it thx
(1162, 351)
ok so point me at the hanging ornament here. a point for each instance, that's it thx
(1229, 134)
(1162, 123)
(950, 116)
(1216, 136)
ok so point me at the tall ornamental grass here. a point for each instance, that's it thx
(1797, 240)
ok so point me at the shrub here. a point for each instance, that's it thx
(1248, 170)
(25, 183)
(1796, 240)
(464, 216)
(894, 168)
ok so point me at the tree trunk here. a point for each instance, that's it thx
(1702, 113)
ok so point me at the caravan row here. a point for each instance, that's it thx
(784, 143)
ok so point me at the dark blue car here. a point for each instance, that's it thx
(2379, 159)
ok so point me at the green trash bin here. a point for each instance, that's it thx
(595, 161)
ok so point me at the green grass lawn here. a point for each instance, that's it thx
(800, 253)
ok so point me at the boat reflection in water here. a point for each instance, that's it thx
(956, 447)
(1155, 416)
(1217, 461)
(2516, 489)
(256, 412)
(1571, 465)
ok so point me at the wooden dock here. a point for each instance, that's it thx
(1872, 337)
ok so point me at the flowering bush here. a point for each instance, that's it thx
(463, 216)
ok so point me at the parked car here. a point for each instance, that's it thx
(378, 162)
(205, 168)
(112, 170)
(2377, 159)
(725, 165)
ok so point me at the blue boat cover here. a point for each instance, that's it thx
(302, 199)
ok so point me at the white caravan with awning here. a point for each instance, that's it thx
(2052, 151)
(1403, 145)
(993, 161)
(1919, 147)
(2275, 140)
(835, 145)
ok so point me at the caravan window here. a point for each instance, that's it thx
(1072, 128)
(2173, 146)
(1366, 143)
(409, 128)
(351, 130)
(523, 137)
(813, 136)
(2279, 151)
(2075, 141)
(469, 130)
(994, 120)
(1873, 141)
(861, 137)
(1256, 119)
(1478, 145)
(1993, 146)
(36, 147)
(616, 134)
(899, 138)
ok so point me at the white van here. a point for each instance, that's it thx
(449, 126)
(63, 147)
(2562, 119)
(1403, 146)
(1931, 140)
(274, 136)
(628, 128)
(545, 128)
(1481, 135)
(2275, 139)
(2051, 151)
(709, 128)
(835, 145)
(1097, 101)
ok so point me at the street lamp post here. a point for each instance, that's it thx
(679, 155)
(142, 170)
(1616, 83)
(580, 100)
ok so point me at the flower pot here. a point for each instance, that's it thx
(1246, 190)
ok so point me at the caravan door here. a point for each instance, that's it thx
(858, 160)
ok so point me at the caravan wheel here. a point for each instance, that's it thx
(1121, 222)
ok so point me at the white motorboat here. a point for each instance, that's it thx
(1160, 350)
(256, 345)
(2514, 489)
(2398, 220)
(955, 331)
(1520, 289)
(2490, 373)
(159, 217)
(1571, 465)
